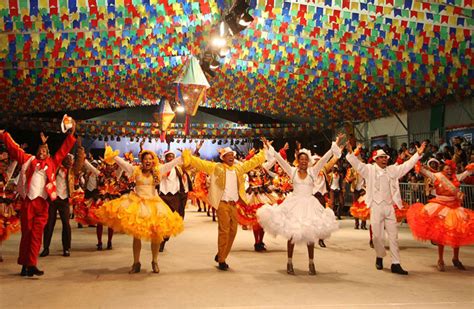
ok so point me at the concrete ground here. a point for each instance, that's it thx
(346, 277)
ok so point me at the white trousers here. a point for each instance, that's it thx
(382, 217)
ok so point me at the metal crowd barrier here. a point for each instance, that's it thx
(415, 192)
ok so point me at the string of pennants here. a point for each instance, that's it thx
(320, 59)
(152, 130)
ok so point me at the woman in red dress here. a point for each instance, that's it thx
(443, 220)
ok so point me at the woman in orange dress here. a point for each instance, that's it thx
(443, 220)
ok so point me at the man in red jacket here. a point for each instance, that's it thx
(36, 184)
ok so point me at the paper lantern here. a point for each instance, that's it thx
(164, 116)
(191, 89)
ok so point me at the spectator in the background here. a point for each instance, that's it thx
(416, 188)
(403, 147)
(457, 140)
(430, 150)
(447, 155)
(467, 148)
(442, 144)
(460, 156)
(336, 190)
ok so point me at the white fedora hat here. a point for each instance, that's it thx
(224, 151)
(381, 153)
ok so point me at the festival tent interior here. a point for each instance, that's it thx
(304, 64)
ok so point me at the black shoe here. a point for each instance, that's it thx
(99, 246)
(379, 263)
(371, 244)
(263, 246)
(458, 265)
(79, 226)
(216, 258)
(135, 268)
(162, 246)
(24, 271)
(45, 252)
(397, 269)
(364, 227)
(34, 271)
(356, 227)
(321, 243)
(289, 269)
(223, 266)
(259, 247)
(339, 218)
(66, 253)
(109, 245)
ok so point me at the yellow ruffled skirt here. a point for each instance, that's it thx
(144, 218)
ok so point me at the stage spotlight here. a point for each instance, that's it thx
(101, 138)
(219, 142)
(149, 140)
(180, 109)
(118, 138)
(213, 141)
(225, 141)
(218, 42)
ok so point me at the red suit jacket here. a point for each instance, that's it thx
(25, 159)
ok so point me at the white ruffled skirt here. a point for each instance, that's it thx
(299, 218)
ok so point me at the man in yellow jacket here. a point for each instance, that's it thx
(225, 190)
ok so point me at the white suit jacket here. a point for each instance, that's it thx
(394, 172)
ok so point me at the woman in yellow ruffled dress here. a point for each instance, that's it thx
(142, 213)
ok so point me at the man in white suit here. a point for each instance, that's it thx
(382, 192)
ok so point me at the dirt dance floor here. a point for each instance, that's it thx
(346, 276)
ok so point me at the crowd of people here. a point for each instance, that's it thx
(263, 191)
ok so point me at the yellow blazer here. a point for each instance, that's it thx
(217, 174)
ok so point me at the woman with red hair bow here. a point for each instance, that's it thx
(443, 220)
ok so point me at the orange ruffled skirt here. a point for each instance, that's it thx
(146, 218)
(360, 211)
(247, 214)
(442, 221)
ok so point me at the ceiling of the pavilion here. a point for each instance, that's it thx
(324, 60)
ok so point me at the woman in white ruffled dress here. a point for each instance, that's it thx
(301, 218)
